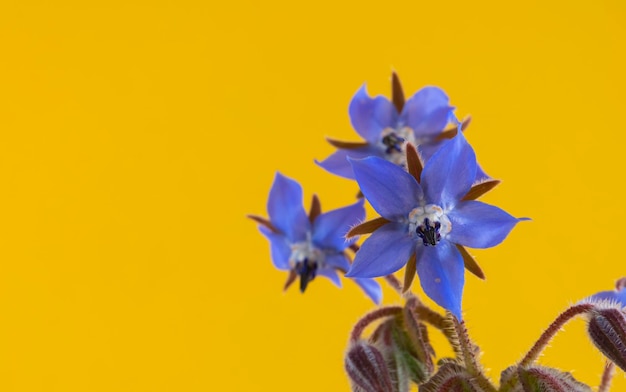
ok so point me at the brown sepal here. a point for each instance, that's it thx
(293, 275)
(262, 221)
(451, 132)
(397, 93)
(345, 145)
(413, 162)
(480, 189)
(367, 227)
(471, 264)
(316, 208)
(409, 273)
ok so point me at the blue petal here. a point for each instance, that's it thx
(337, 163)
(331, 274)
(330, 228)
(449, 173)
(280, 249)
(440, 269)
(371, 287)
(384, 252)
(284, 207)
(390, 190)
(338, 261)
(621, 297)
(479, 225)
(427, 150)
(369, 116)
(614, 296)
(427, 111)
(481, 176)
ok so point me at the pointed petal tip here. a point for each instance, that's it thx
(372, 289)
(362, 90)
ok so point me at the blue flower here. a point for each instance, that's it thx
(427, 220)
(387, 128)
(617, 296)
(313, 245)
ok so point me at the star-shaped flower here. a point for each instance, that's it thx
(427, 218)
(388, 127)
(313, 245)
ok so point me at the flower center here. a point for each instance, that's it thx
(393, 143)
(306, 271)
(429, 223)
(305, 260)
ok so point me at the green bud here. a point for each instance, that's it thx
(403, 354)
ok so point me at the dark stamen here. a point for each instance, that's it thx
(307, 271)
(429, 233)
(393, 142)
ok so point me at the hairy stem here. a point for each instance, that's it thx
(394, 283)
(552, 330)
(607, 377)
(468, 353)
(371, 317)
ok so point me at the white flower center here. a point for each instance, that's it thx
(429, 223)
(393, 143)
(306, 252)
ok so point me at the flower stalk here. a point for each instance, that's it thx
(552, 330)
(607, 377)
(372, 316)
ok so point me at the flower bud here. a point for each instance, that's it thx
(540, 379)
(367, 369)
(406, 361)
(607, 330)
(544, 379)
(452, 377)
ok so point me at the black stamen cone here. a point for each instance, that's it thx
(307, 271)
(429, 233)
(393, 142)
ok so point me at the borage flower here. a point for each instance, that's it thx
(313, 245)
(427, 217)
(615, 297)
(388, 127)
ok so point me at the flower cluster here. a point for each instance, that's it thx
(417, 170)
(419, 176)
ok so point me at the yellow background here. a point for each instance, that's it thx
(134, 138)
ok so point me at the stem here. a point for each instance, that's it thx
(607, 377)
(423, 312)
(552, 330)
(427, 314)
(469, 351)
(370, 317)
(394, 283)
